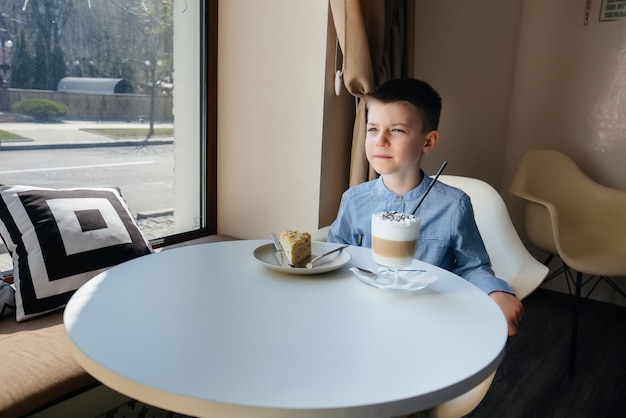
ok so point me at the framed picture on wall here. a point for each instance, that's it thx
(613, 10)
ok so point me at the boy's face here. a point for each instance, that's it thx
(396, 141)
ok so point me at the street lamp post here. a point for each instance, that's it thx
(4, 88)
(4, 66)
(150, 76)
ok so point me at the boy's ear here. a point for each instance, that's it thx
(432, 138)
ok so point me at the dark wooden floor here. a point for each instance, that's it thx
(533, 380)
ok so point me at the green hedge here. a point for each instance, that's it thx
(41, 109)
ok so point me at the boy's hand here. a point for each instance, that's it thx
(512, 308)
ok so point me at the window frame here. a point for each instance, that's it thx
(208, 120)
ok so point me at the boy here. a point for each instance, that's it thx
(402, 122)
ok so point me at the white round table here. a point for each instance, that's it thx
(208, 331)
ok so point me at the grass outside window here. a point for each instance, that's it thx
(132, 133)
(8, 136)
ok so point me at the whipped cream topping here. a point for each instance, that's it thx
(395, 226)
(397, 217)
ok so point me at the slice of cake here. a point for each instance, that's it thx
(296, 246)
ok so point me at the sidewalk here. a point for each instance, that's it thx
(73, 134)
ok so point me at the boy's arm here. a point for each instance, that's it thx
(474, 265)
(511, 307)
(472, 260)
(341, 231)
(501, 293)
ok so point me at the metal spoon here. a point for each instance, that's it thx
(309, 265)
(366, 271)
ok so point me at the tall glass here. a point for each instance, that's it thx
(394, 240)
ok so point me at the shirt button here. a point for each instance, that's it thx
(398, 198)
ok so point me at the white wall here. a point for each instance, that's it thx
(271, 81)
(570, 89)
(570, 95)
(520, 75)
(467, 51)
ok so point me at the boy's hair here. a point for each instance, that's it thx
(424, 98)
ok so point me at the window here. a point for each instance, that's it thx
(130, 95)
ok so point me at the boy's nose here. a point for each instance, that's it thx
(382, 139)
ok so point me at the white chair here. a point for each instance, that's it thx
(569, 215)
(320, 235)
(510, 261)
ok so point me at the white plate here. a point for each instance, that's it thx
(410, 281)
(266, 255)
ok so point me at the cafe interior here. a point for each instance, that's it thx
(516, 78)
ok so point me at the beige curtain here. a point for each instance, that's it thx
(371, 35)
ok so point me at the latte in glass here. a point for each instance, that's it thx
(394, 238)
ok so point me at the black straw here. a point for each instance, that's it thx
(432, 183)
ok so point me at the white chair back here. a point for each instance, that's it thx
(510, 259)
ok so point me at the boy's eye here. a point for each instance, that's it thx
(398, 130)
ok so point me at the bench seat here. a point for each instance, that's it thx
(37, 366)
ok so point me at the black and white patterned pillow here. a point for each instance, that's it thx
(59, 239)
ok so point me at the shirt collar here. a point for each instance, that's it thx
(411, 194)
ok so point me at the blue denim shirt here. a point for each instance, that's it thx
(448, 238)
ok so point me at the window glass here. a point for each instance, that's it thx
(88, 95)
